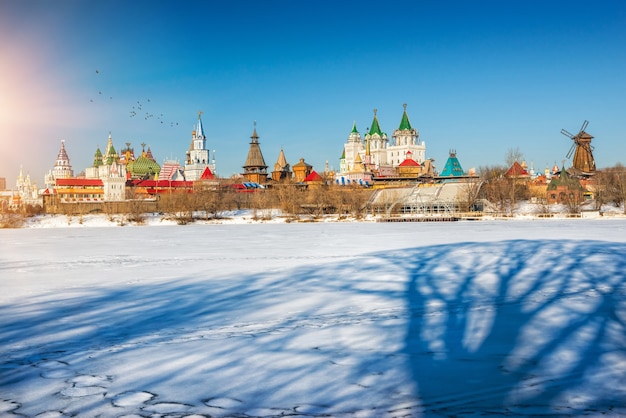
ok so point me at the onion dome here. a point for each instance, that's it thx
(143, 167)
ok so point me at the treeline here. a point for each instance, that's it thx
(293, 200)
(608, 187)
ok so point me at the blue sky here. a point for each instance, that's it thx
(480, 77)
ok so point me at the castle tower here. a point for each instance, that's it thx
(378, 142)
(406, 139)
(255, 169)
(62, 167)
(197, 155)
(352, 148)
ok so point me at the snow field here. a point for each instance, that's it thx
(344, 320)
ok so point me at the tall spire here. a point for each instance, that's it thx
(199, 130)
(255, 160)
(375, 129)
(404, 123)
(255, 136)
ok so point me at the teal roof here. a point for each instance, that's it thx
(404, 123)
(453, 167)
(354, 131)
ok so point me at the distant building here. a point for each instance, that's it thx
(301, 170)
(102, 163)
(198, 155)
(144, 167)
(62, 167)
(26, 192)
(375, 155)
(3, 183)
(453, 166)
(282, 170)
(564, 189)
(255, 169)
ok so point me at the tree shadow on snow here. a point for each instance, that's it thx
(518, 327)
(511, 327)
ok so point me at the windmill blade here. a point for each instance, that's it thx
(564, 132)
(582, 129)
(571, 151)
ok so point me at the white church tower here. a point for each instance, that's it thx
(198, 155)
(406, 140)
(62, 167)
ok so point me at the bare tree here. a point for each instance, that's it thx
(469, 194)
(512, 155)
(611, 186)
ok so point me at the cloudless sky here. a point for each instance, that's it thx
(480, 77)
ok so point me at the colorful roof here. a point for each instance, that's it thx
(453, 167)
(143, 167)
(207, 174)
(313, 177)
(62, 158)
(564, 179)
(375, 129)
(72, 181)
(516, 170)
(97, 158)
(404, 123)
(409, 162)
(354, 130)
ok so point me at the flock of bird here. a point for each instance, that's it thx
(136, 111)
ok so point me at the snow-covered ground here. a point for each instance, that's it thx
(522, 318)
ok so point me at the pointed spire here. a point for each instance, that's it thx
(199, 129)
(375, 129)
(255, 161)
(404, 123)
(97, 158)
(354, 130)
(282, 161)
(255, 136)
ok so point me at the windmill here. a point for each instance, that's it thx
(582, 150)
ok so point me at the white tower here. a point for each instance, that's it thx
(62, 167)
(406, 139)
(197, 156)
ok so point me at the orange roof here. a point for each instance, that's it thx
(516, 170)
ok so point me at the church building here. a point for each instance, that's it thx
(375, 155)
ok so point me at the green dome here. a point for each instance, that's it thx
(143, 167)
